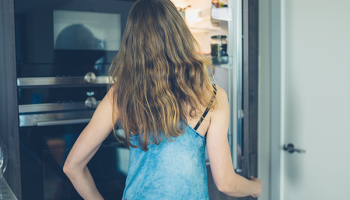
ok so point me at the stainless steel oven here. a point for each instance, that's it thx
(64, 49)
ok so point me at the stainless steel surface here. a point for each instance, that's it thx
(63, 122)
(91, 102)
(239, 88)
(49, 118)
(47, 107)
(232, 130)
(90, 77)
(238, 84)
(235, 63)
(240, 114)
(43, 81)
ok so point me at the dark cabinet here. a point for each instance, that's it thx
(8, 96)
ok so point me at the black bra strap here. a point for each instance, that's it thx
(206, 110)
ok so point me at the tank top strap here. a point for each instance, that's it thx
(207, 109)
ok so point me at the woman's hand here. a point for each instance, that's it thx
(260, 186)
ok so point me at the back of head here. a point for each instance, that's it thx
(158, 73)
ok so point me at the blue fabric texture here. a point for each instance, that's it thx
(170, 170)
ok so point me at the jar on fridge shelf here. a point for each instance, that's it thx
(222, 5)
(219, 49)
(218, 45)
(216, 3)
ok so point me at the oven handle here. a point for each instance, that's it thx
(89, 79)
(63, 122)
(89, 103)
(51, 119)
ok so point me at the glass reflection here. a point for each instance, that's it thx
(86, 30)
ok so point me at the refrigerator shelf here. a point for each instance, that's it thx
(222, 60)
(203, 30)
(227, 66)
(224, 14)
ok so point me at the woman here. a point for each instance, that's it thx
(161, 94)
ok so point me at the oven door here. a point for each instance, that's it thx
(51, 119)
(44, 148)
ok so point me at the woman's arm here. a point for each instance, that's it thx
(86, 146)
(225, 178)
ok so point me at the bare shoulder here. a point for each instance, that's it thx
(221, 98)
(110, 93)
(219, 118)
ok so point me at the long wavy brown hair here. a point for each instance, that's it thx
(158, 74)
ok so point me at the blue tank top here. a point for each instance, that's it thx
(170, 170)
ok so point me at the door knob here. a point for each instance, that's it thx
(290, 149)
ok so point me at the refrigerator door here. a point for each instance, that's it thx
(229, 77)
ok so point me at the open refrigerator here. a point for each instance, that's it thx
(206, 20)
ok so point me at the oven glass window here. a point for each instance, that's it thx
(86, 30)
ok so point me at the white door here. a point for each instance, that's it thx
(315, 99)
